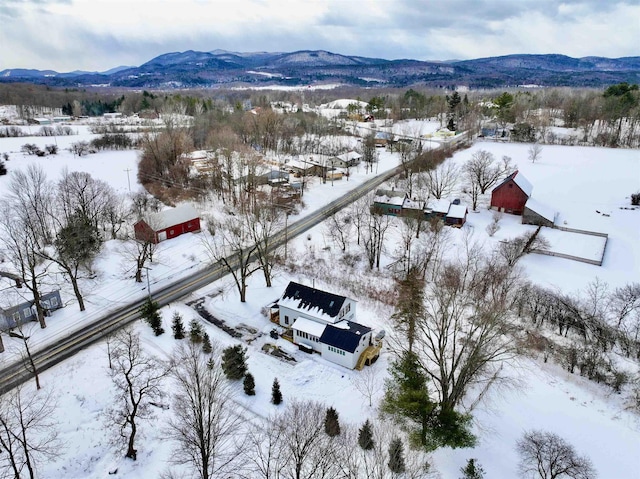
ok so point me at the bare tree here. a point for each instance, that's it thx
(464, 338)
(513, 249)
(442, 180)
(307, 447)
(535, 150)
(204, 424)
(339, 227)
(138, 379)
(22, 247)
(28, 434)
(264, 222)
(373, 237)
(368, 383)
(264, 450)
(233, 247)
(482, 169)
(546, 455)
(79, 192)
(24, 334)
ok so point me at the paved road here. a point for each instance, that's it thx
(14, 374)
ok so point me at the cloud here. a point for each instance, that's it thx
(100, 34)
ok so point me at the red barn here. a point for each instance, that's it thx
(511, 195)
(167, 224)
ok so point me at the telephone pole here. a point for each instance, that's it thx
(128, 181)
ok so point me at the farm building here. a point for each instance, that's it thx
(26, 312)
(167, 224)
(511, 195)
(536, 213)
(457, 215)
(323, 322)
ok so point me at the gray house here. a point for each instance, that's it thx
(26, 312)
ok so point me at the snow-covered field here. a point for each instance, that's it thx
(576, 181)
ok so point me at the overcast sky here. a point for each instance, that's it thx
(97, 35)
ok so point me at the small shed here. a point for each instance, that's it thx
(511, 195)
(537, 213)
(457, 215)
(167, 224)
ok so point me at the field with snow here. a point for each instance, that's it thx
(577, 182)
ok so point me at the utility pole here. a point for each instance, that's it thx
(128, 180)
(148, 283)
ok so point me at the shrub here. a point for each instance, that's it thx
(276, 395)
(249, 385)
(234, 362)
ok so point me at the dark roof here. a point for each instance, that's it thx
(343, 338)
(309, 298)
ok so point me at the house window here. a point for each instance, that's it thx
(16, 316)
(286, 319)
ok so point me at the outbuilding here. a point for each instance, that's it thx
(511, 195)
(537, 213)
(167, 224)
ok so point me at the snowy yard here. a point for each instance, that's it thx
(576, 181)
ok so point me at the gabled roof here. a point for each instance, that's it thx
(389, 197)
(345, 335)
(541, 209)
(312, 301)
(174, 216)
(351, 155)
(457, 211)
(519, 179)
(439, 206)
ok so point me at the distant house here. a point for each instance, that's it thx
(167, 224)
(324, 322)
(383, 138)
(26, 312)
(537, 213)
(388, 202)
(346, 160)
(512, 194)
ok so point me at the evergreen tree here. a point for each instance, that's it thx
(331, 423)
(409, 306)
(472, 470)
(206, 344)
(195, 331)
(276, 395)
(396, 456)
(177, 326)
(407, 402)
(249, 385)
(150, 312)
(365, 436)
(3, 168)
(234, 362)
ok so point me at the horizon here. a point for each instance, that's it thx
(120, 67)
(99, 35)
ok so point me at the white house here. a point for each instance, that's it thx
(324, 322)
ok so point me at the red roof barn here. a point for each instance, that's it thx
(511, 195)
(167, 224)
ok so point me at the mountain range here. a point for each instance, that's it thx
(217, 68)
